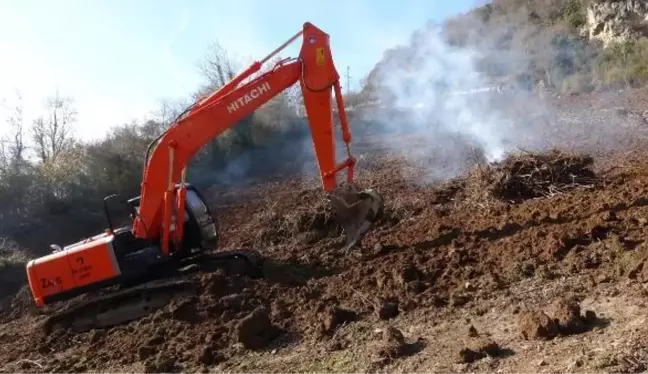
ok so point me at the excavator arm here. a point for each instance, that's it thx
(223, 109)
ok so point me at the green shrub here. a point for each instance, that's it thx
(12, 268)
(577, 83)
(623, 63)
(574, 14)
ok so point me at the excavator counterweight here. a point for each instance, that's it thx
(172, 225)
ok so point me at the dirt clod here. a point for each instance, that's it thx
(590, 317)
(388, 310)
(566, 313)
(393, 343)
(234, 301)
(256, 330)
(186, 310)
(460, 299)
(155, 340)
(537, 325)
(215, 283)
(163, 363)
(146, 351)
(207, 356)
(337, 316)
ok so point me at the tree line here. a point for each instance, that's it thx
(52, 184)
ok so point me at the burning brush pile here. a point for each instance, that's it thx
(527, 175)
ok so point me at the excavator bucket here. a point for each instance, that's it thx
(356, 210)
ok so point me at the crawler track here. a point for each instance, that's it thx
(120, 307)
(129, 304)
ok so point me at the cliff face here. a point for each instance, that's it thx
(616, 20)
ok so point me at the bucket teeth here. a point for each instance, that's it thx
(356, 210)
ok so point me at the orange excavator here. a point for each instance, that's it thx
(129, 268)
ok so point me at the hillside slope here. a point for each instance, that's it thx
(566, 46)
(452, 268)
(483, 261)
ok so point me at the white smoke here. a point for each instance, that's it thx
(435, 105)
(452, 111)
(429, 87)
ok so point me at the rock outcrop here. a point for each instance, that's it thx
(612, 21)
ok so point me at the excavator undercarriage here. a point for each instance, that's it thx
(154, 281)
(140, 297)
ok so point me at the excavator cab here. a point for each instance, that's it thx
(200, 225)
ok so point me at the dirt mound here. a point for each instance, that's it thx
(335, 317)
(388, 309)
(185, 335)
(566, 313)
(256, 330)
(478, 346)
(307, 218)
(22, 303)
(393, 344)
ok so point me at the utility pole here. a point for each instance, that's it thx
(348, 79)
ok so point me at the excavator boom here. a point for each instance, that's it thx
(315, 71)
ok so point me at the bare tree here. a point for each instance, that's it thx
(168, 111)
(53, 133)
(16, 121)
(279, 111)
(12, 148)
(218, 67)
(4, 162)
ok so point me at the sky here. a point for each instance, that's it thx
(118, 59)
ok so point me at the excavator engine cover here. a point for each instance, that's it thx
(356, 210)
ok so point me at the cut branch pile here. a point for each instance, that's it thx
(534, 175)
(523, 176)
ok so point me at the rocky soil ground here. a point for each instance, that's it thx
(537, 263)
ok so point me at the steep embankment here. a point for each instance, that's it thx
(616, 21)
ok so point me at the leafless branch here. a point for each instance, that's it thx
(52, 133)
